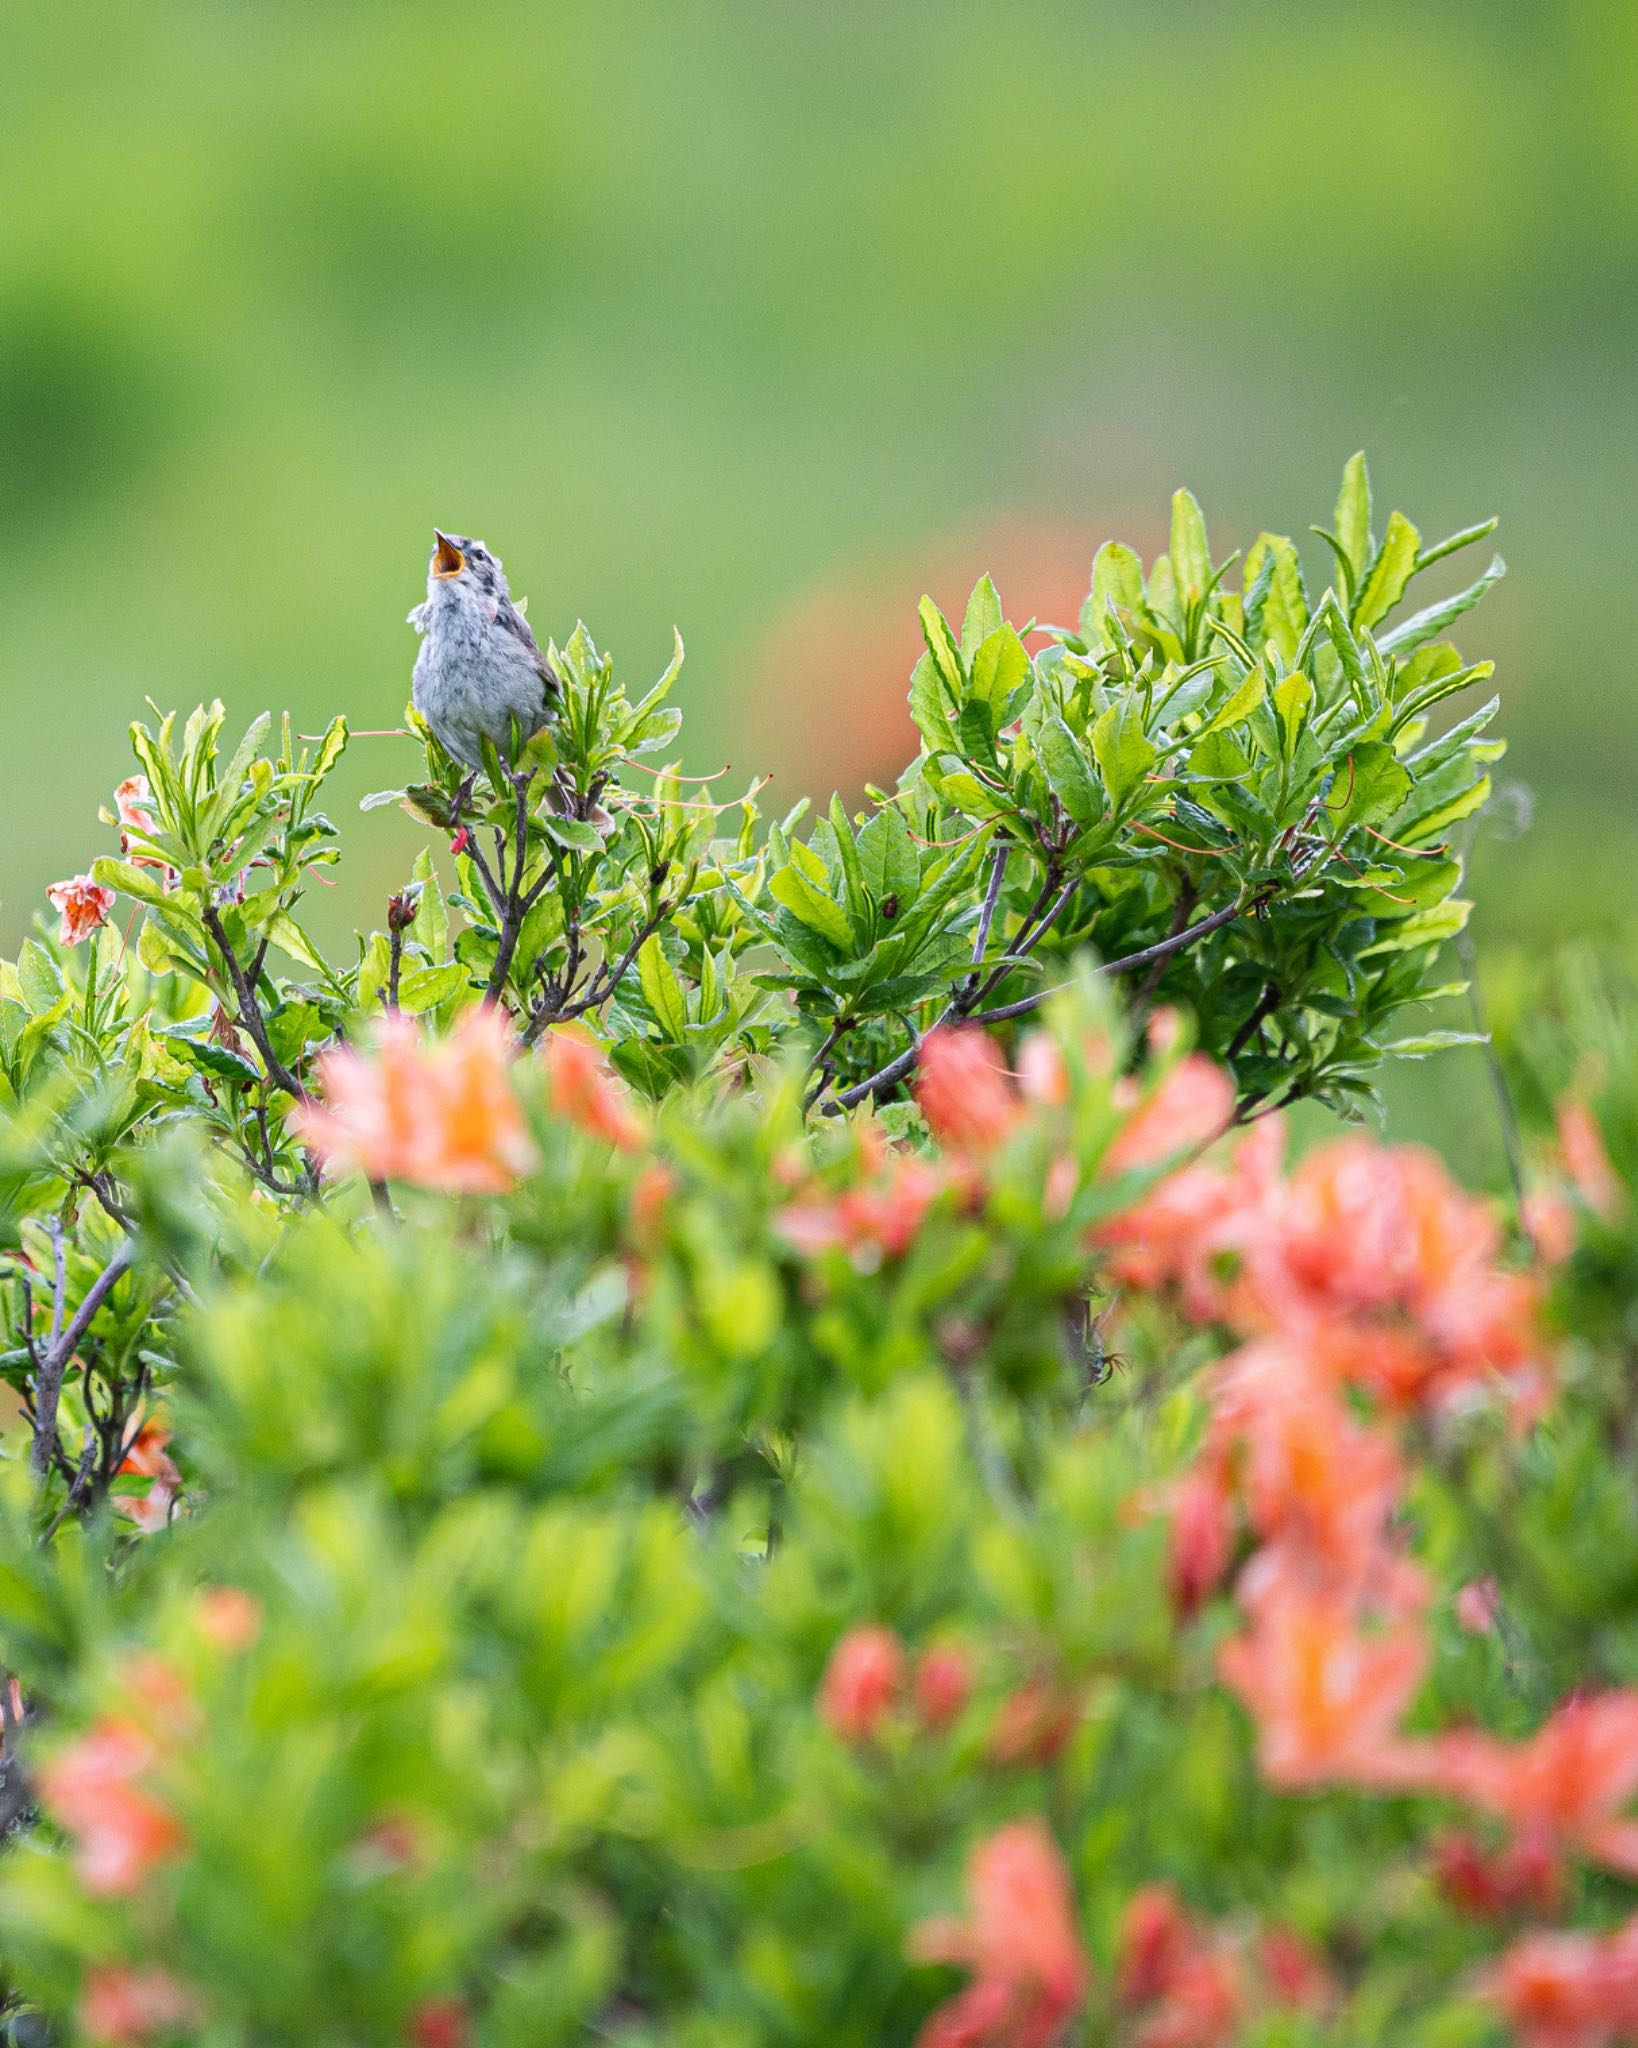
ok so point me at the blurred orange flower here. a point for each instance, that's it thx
(585, 1092)
(82, 905)
(92, 1788)
(128, 2007)
(1326, 1696)
(861, 1682)
(435, 1114)
(1568, 1990)
(1566, 1784)
(1020, 1940)
(964, 1090)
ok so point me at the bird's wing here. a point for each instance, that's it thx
(512, 620)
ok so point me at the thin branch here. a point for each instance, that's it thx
(1266, 1005)
(250, 1009)
(986, 915)
(49, 1380)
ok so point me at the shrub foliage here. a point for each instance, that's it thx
(735, 1433)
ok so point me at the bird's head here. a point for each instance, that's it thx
(463, 565)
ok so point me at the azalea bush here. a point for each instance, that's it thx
(742, 1431)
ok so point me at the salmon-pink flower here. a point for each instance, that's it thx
(942, 1684)
(93, 1789)
(1567, 1784)
(1478, 1603)
(1568, 1990)
(878, 1219)
(148, 1459)
(438, 1115)
(126, 2008)
(1326, 1696)
(1591, 1175)
(133, 802)
(82, 905)
(229, 1617)
(1034, 1723)
(964, 1091)
(1154, 1937)
(862, 1682)
(1191, 1104)
(1295, 1972)
(1202, 1538)
(1527, 1876)
(1021, 1942)
(440, 2023)
(586, 1093)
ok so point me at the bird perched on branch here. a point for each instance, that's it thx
(479, 668)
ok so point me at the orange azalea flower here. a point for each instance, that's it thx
(1591, 1175)
(229, 1617)
(585, 1092)
(964, 1091)
(1021, 1942)
(1034, 1723)
(1568, 1990)
(1327, 1698)
(438, 1115)
(942, 1685)
(1192, 1103)
(83, 906)
(1525, 1877)
(872, 1222)
(1566, 1784)
(148, 1459)
(1189, 1231)
(861, 1682)
(1202, 1537)
(126, 2008)
(1154, 1938)
(93, 1789)
(1380, 1236)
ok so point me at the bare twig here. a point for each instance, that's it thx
(1266, 1004)
(250, 1017)
(48, 1381)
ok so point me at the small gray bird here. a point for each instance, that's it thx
(479, 667)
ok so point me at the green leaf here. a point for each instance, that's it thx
(983, 618)
(1453, 543)
(930, 707)
(289, 937)
(968, 794)
(39, 979)
(205, 1056)
(1426, 928)
(888, 859)
(1240, 704)
(1433, 1041)
(847, 853)
(1191, 558)
(1353, 514)
(1293, 700)
(999, 667)
(941, 646)
(431, 915)
(1123, 751)
(809, 904)
(1117, 578)
(424, 988)
(1436, 823)
(331, 748)
(1392, 570)
(577, 834)
(144, 884)
(1067, 772)
(661, 989)
(1282, 617)
(1429, 623)
(1373, 784)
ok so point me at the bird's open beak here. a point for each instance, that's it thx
(448, 561)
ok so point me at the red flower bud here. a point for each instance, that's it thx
(943, 1685)
(861, 1682)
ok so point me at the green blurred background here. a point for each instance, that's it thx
(761, 317)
